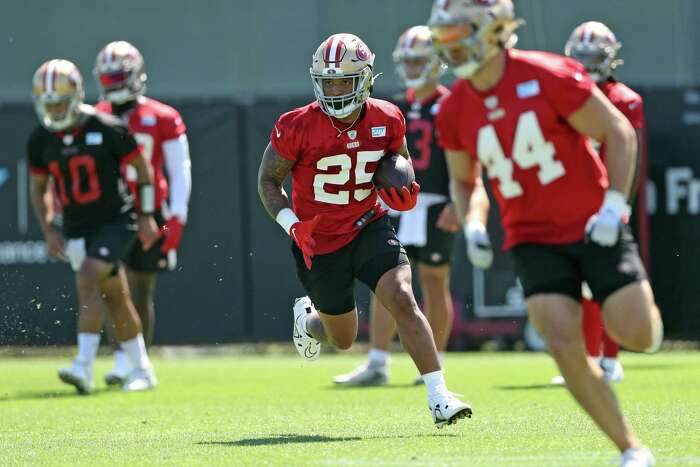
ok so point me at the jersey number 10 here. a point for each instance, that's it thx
(530, 149)
(76, 165)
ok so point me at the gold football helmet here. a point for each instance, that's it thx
(120, 73)
(595, 46)
(58, 92)
(340, 57)
(469, 33)
(417, 43)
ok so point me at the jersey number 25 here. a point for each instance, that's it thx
(345, 163)
(530, 149)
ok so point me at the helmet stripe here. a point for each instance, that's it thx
(333, 51)
(411, 37)
(109, 53)
(50, 77)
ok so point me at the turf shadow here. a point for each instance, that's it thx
(343, 387)
(34, 395)
(527, 387)
(304, 439)
(282, 439)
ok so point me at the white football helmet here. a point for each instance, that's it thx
(469, 33)
(120, 73)
(57, 88)
(342, 56)
(596, 47)
(417, 43)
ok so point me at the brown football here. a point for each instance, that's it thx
(394, 170)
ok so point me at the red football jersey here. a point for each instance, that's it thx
(152, 123)
(627, 101)
(332, 174)
(545, 176)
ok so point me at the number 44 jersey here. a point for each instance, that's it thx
(545, 176)
(86, 169)
(334, 165)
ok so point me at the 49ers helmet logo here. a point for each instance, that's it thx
(362, 52)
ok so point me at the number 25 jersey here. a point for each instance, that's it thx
(85, 166)
(332, 174)
(545, 176)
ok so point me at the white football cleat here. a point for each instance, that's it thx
(366, 374)
(418, 380)
(558, 380)
(446, 409)
(78, 375)
(140, 379)
(308, 347)
(119, 372)
(612, 370)
(637, 457)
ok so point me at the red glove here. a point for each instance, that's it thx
(403, 201)
(172, 231)
(301, 233)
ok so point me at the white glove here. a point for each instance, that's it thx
(479, 248)
(604, 226)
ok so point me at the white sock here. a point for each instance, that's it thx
(441, 357)
(135, 349)
(121, 359)
(378, 357)
(88, 343)
(435, 383)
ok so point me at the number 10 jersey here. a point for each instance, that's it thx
(334, 165)
(545, 176)
(86, 168)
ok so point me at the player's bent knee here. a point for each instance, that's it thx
(561, 347)
(90, 273)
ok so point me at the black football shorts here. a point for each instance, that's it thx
(330, 282)
(562, 268)
(111, 241)
(437, 250)
(153, 259)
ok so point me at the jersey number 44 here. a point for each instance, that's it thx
(530, 149)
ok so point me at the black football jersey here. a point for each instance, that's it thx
(428, 158)
(86, 167)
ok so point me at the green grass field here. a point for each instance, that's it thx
(276, 410)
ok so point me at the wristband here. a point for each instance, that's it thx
(617, 202)
(286, 218)
(473, 226)
(147, 199)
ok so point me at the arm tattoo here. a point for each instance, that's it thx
(271, 174)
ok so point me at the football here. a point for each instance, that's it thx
(394, 170)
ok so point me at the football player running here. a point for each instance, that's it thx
(526, 116)
(339, 231)
(427, 230)
(160, 132)
(596, 47)
(83, 152)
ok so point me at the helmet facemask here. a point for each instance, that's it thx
(119, 72)
(58, 94)
(415, 58)
(342, 105)
(342, 56)
(600, 62)
(595, 46)
(468, 46)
